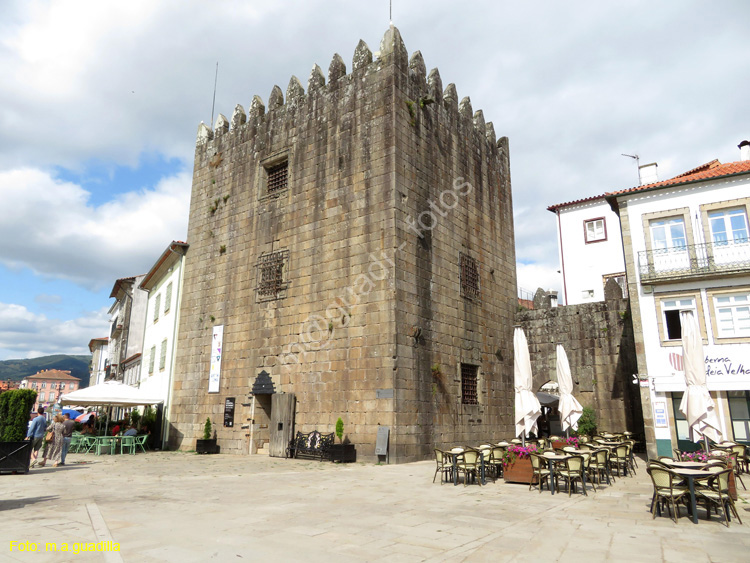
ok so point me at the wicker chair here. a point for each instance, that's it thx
(496, 460)
(571, 470)
(539, 470)
(444, 466)
(600, 465)
(666, 491)
(619, 458)
(739, 458)
(469, 462)
(716, 494)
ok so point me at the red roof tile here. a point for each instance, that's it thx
(556, 206)
(709, 171)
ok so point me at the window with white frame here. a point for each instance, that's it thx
(667, 234)
(732, 315)
(157, 306)
(163, 355)
(152, 360)
(671, 314)
(41, 396)
(728, 226)
(595, 230)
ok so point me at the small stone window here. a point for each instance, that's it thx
(277, 178)
(272, 275)
(469, 395)
(469, 277)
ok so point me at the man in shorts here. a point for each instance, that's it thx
(36, 432)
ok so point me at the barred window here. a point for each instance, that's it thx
(469, 277)
(469, 384)
(277, 180)
(271, 275)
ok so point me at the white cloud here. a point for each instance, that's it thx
(533, 276)
(24, 334)
(51, 228)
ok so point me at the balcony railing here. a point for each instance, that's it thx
(694, 261)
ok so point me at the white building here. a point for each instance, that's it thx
(99, 360)
(686, 247)
(163, 283)
(590, 249)
(127, 319)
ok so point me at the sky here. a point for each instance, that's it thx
(100, 104)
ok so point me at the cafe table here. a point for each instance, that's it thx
(552, 459)
(691, 474)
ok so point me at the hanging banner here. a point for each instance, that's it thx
(214, 376)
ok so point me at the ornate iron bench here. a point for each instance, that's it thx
(312, 445)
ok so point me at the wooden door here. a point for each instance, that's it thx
(282, 423)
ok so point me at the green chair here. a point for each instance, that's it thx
(88, 444)
(75, 443)
(127, 443)
(140, 442)
(103, 442)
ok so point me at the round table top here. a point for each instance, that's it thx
(554, 456)
(684, 472)
(687, 464)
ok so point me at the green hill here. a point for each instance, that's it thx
(16, 370)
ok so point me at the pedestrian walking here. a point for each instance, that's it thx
(36, 434)
(53, 447)
(68, 427)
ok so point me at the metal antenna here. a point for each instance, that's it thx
(213, 104)
(390, 12)
(637, 164)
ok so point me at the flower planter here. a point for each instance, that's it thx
(520, 471)
(15, 456)
(344, 453)
(559, 444)
(206, 447)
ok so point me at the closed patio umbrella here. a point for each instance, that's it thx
(527, 409)
(697, 405)
(570, 409)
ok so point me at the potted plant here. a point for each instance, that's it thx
(343, 452)
(208, 444)
(15, 451)
(517, 464)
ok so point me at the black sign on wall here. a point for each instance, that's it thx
(229, 412)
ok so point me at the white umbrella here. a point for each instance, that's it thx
(110, 393)
(528, 408)
(570, 409)
(697, 405)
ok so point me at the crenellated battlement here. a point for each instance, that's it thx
(421, 87)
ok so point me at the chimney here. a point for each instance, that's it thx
(648, 174)
(744, 147)
(552, 298)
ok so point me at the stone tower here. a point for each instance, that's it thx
(355, 243)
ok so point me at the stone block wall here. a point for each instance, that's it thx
(367, 305)
(598, 339)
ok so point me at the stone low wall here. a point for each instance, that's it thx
(598, 339)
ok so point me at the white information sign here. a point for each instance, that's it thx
(214, 376)
(661, 420)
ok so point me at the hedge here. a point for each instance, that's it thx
(15, 409)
